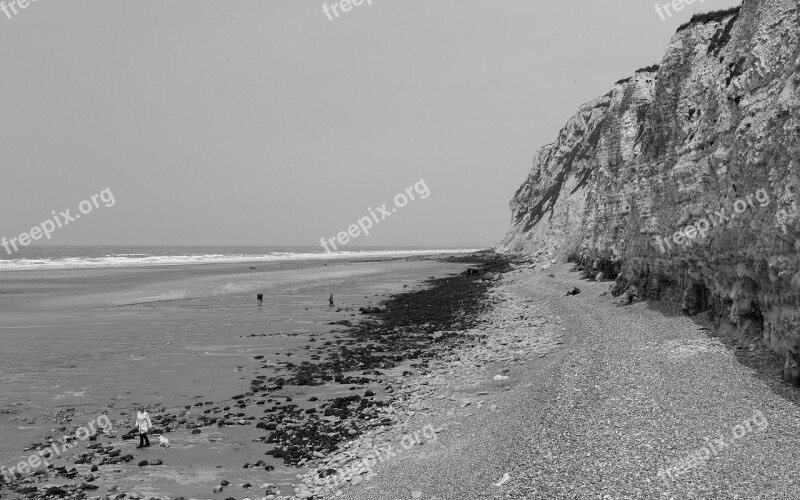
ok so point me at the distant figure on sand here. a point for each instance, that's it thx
(144, 424)
(330, 301)
(260, 298)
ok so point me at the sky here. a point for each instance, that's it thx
(270, 122)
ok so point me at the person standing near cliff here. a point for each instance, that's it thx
(144, 424)
(330, 301)
(260, 298)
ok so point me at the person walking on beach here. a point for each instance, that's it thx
(144, 424)
(260, 298)
(330, 301)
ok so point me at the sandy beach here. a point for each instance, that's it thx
(185, 341)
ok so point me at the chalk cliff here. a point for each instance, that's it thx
(681, 181)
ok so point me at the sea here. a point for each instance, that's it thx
(85, 257)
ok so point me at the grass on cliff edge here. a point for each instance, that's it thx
(647, 69)
(709, 17)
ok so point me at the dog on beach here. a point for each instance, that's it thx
(163, 442)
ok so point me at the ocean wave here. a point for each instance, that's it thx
(144, 260)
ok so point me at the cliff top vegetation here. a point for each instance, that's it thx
(708, 17)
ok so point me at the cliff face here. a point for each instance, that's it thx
(681, 181)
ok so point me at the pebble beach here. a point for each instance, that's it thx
(601, 397)
(501, 385)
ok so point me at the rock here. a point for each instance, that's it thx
(55, 491)
(791, 371)
(727, 246)
(506, 477)
(143, 463)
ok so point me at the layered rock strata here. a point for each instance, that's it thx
(681, 182)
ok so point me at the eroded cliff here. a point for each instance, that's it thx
(681, 181)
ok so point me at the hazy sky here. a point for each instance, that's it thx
(262, 122)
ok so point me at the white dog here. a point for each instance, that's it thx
(163, 442)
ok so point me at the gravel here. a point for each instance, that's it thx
(601, 397)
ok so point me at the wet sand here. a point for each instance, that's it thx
(105, 340)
